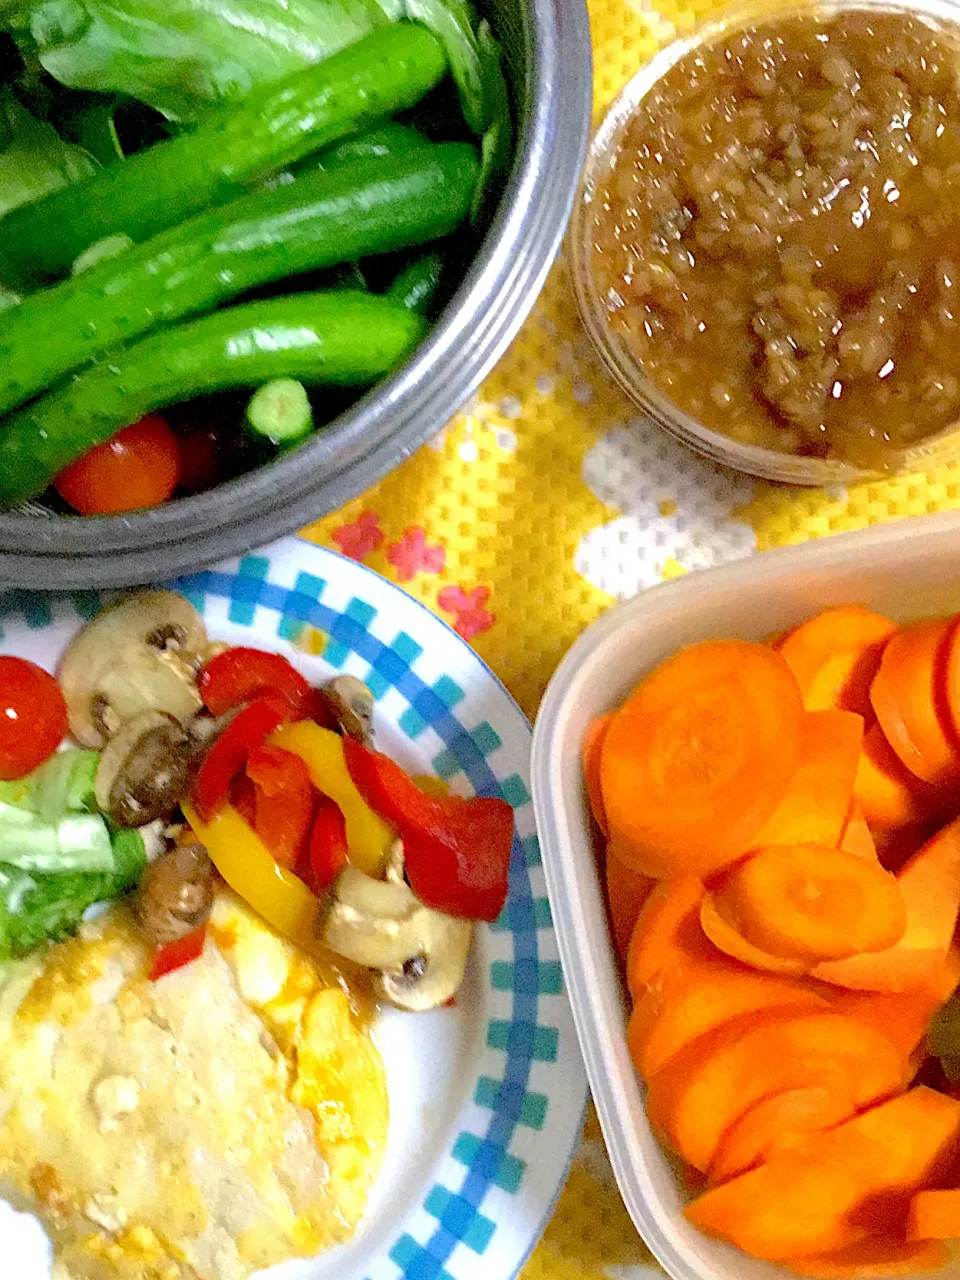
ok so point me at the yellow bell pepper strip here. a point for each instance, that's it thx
(368, 836)
(251, 871)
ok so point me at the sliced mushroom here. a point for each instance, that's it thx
(140, 654)
(420, 954)
(176, 894)
(352, 705)
(145, 769)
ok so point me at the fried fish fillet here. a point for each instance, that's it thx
(230, 1116)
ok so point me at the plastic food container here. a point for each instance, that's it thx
(616, 356)
(904, 570)
(548, 62)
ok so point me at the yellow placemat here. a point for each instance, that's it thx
(547, 498)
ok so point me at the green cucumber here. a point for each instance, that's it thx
(338, 338)
(280, 412)
(387, 142)
(273, 127)
(363, 208)
(416, 286)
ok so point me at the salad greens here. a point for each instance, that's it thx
(57, 855)
(33, 158)
(45, 908)
(185, 56)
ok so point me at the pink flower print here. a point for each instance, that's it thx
(359, 538)
(411, 555)
(468, 609)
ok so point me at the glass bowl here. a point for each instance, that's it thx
(769, 464)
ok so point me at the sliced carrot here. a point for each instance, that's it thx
(856, 837)
(839, 1188)
(835, 656)
(592, 744)
(683, 1004)
(726, 938)
(930, 885)
(700, 756)
(952, 679)
(902, 1017)
(887, 792)
(775, 1125)
(627, 891)
(817, 800)
(667, 934)
(909, 697)
(877, 1259)
(934, 1215)
(703, 1089)
(811, 903)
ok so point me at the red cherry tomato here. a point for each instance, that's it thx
(139, 467)
(33, 717)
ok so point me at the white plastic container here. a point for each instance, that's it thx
(905, 570)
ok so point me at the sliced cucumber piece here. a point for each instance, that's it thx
(280, 412)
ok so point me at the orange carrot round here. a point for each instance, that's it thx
(807, 902)
(835, 656)
(727, 938)
(688, 1002)
(775, 1125)
(856, 836)
(934, 1215)
(887, 792)
(817, 801)
(667, 934)
(909, 697)
(700, 756)
(627, 891)
(703, 1089)
(592, 744)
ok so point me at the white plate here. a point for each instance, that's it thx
(486, 1099)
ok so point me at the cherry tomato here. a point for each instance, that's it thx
(33, 717)
(139, 467)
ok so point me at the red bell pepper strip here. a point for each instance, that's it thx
(243, 797)
(456, 851)
(228, 756)
(327, 854)
(239, 675)
(283, 804)
(174, 955)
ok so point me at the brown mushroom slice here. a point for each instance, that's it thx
(420, 954)
(352, 705)
(144, 769)
(141, 653)
(176, 894)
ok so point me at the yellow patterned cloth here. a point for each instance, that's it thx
(547, 498)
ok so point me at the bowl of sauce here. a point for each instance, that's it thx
(766, 247)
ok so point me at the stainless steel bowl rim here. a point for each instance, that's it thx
(399, 414)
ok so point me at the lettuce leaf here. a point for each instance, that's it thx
(185, 56)
(34, 159)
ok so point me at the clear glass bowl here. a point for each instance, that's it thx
(944, 446)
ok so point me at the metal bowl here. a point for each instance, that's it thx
(547, 46)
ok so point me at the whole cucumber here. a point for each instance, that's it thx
(344, 339)
(366, 207)
(274, 126)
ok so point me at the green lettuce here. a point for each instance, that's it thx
(34, 159)
(184, 56)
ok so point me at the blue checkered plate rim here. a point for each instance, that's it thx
(482, 1154)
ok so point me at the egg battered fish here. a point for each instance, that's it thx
(230, 1116)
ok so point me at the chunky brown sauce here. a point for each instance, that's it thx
(779, 240)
